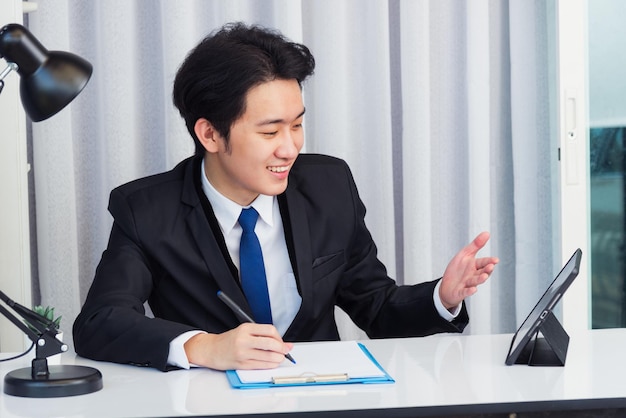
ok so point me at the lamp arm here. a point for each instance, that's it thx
(29, 333)
(10, 67)
(37, 321)
(45, 337)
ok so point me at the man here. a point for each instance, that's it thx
(176, 236)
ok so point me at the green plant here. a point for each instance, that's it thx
(48, 313)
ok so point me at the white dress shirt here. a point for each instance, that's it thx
(281, 282)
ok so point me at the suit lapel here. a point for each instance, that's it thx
(206, 233)
(298, 238)
(212, 255)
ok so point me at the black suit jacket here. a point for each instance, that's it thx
(166, 248)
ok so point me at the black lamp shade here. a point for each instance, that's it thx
(50, 80)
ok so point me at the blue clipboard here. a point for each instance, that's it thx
(312, 380)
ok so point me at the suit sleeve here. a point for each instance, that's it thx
(374, 301)
(112, 325)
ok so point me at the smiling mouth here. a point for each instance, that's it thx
(282, 169)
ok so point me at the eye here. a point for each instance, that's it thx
(269, 133)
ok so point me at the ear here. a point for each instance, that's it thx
(207, 135)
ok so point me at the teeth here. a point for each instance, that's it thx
(278, 169)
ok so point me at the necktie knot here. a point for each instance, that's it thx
(248, 219)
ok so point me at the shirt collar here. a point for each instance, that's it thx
(227, 212)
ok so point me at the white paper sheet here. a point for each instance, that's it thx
(319, 359)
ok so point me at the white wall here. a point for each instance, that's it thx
(14, 228)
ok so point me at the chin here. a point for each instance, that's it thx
(275, 190)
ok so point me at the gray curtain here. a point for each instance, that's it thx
(441, 108)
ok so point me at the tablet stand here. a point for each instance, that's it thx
(549, 350)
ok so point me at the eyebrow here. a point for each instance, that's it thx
(272, 121)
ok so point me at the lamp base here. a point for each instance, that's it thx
(65, 380)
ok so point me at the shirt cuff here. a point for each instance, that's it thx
(177, 356)
(443, 312)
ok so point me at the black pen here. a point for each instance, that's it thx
(242, 315)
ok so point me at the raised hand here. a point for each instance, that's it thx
(466, 272)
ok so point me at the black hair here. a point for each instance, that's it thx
(214, 79)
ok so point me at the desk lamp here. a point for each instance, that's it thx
(50, 80)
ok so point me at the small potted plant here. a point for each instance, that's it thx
(48, 313)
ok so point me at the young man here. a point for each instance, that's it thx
(175, 239)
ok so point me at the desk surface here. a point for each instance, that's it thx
(444, 374)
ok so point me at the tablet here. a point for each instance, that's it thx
(543, 308)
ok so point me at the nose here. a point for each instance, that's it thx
(290, 145)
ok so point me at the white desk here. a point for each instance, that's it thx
(445, 374)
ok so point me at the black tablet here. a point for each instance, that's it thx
(544, 307)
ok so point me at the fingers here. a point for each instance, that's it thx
(487, 263)
(261, 330)
(478, 243)
(261, 344)
(249, 346)
(469, 291)
(466, 272)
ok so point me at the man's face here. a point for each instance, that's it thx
(263, 145)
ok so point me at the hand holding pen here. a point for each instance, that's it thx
(242, 315)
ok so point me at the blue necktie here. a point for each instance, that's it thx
(252, 270)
